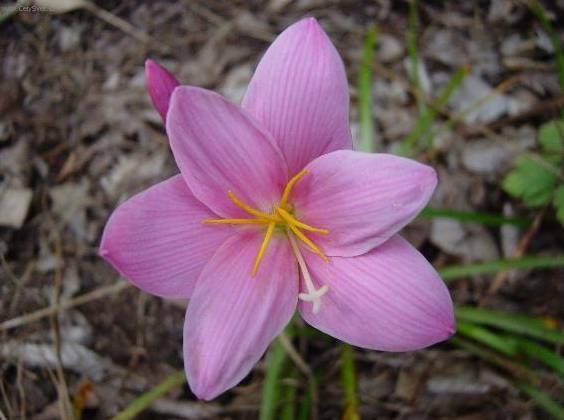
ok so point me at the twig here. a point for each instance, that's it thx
(71, 303)
(143, 402)
(62, 387)
(542, 108)
(502, 276)
(304, 368)
(116, 21)
(294, 355)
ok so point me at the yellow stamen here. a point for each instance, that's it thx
(251, 210)
(307, 241)
(262, 250)
(236, 221)
(290, 185)
(292, 220)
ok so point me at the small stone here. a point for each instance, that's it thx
(14, 205)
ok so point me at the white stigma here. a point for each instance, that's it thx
(313, 295)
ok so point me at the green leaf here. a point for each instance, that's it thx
(559, 203)
(531, 181)
(365, 92)
(141, 403)
(541, 353)
(271, 387)
(515, 323)
(542, 399)
(500, 343)
(451, 272)
(551, 137)
(475, 217)
(348, 380)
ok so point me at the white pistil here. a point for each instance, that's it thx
(313, 295)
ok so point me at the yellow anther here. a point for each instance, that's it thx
(281, 216)
(236, 221)
(290, 185)
(251, 210)
(288, 218)
(307, 241)
(262, 250)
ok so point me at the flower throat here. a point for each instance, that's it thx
(282, 217)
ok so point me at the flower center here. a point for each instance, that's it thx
(282, 216)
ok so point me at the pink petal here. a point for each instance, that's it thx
(299, 93)
(232, 317)
(362, 198)
(157, 240)
(389, 299)
(160, 84)
(218, 148)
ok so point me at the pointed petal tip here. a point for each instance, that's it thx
(149, 64)
(160, 84)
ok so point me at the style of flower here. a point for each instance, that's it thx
(272, 212)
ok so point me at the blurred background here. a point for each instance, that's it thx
(473, 88)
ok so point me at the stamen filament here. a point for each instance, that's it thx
(251, 210)
(313, 295)
(290, 185)
(292, 220)
(262, 250)
(307, 241)
(236, 221)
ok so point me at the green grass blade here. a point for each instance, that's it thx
(541, 353)
(502, 344)
(271, 389)
(411, 42)
(538, 10)
(365, 105)
(512, 346)
(494, 358)
(289, 391)
(458, 271)
(305, 409)
(525, 375)
(542, 399)
(515, 323)
(141, 403)
(475, 217)
(429, 113)
(348, 381)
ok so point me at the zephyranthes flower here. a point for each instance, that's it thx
(273, 212)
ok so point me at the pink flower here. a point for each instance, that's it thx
(273, 212)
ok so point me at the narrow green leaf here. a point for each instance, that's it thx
(475, 217)
(512, 346)
(289, 391)
(365, 92)
(348, 381)
(271, 385)
(524, 375)
(411, 41)
(541, 353)
(542, 399)
(502, 344)
(515, 323)
(538, 10)
(494, 358)
(429, 113)
(305, 409)
(458, 271)
(141, 403)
